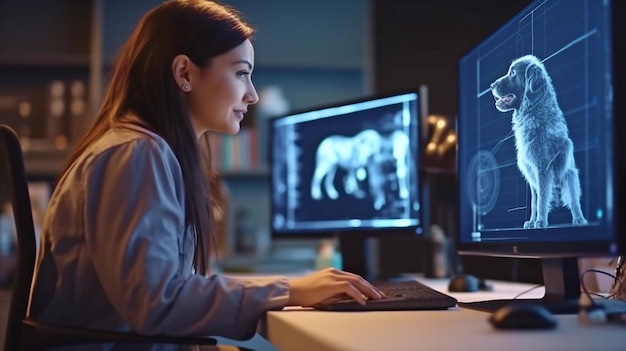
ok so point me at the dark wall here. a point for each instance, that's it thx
(420, 41)
(44, 32)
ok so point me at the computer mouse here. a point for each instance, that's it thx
(468, 283)
(523, 316)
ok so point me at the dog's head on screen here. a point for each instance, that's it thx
(522, 85)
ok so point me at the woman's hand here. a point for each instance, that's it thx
(330, 283)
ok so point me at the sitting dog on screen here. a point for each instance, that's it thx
(545, 153)
(352, 154)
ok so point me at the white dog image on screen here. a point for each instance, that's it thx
(545, 153)
(400, 150)
(393, 155)
(362, 156)
(353, 154)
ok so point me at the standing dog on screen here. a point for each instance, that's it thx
(545, 153)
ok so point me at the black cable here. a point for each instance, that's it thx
(587, 293)
(527, 291)
(584, 286)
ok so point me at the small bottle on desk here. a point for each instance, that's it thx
(327, 256)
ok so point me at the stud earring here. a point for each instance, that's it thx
(185, 87)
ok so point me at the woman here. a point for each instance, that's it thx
(127, 233)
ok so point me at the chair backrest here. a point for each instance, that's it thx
(12, 162)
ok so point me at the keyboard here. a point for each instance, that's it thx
(401, 295)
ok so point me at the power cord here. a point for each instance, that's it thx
(592, 312)
(620, 280)
(527, 291)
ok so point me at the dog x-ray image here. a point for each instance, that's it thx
(361, 156)
(544, 150)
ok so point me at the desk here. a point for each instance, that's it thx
(455, 329)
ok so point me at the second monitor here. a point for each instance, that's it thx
(348, 170)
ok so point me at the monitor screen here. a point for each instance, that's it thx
(348, 170)
(538, 162)
(345, 167)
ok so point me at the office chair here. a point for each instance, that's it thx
(25, 333)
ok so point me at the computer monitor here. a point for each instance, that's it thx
(349, 171)
(540, 129)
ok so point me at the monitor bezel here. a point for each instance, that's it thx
(583, 248)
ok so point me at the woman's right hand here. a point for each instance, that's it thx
(330, 283)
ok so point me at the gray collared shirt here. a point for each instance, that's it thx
(114, 253)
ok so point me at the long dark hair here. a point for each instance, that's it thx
(142, 84)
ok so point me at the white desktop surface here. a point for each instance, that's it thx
(454, 329)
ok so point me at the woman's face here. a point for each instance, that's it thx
(220, 94)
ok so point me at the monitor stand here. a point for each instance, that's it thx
(360, 252)
(562, 283)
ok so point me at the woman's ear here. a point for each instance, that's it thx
(181, 65)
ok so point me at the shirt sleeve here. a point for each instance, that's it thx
(134, 215)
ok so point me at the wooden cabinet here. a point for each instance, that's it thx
(44, 74)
